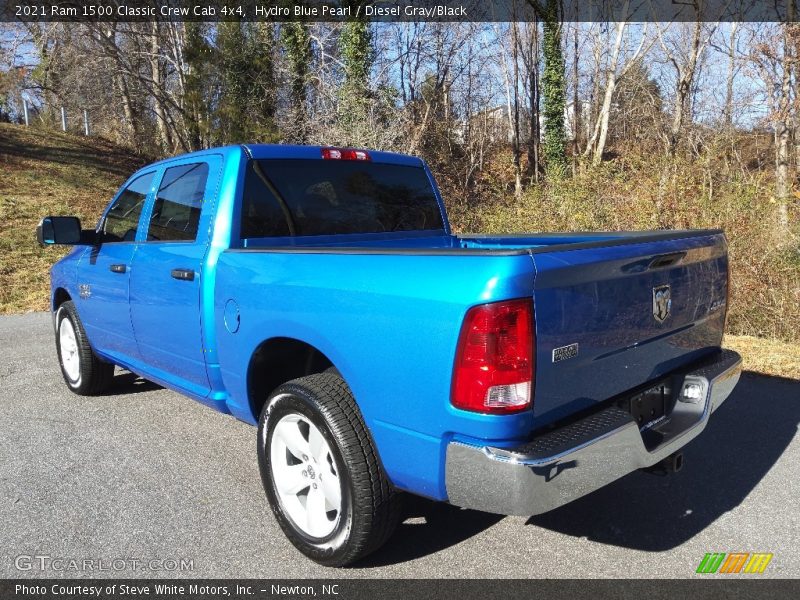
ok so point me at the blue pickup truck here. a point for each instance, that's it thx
(320, 294)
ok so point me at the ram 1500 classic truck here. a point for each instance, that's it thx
(320, 294)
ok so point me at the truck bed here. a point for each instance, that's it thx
(592, 289)
(400, 299)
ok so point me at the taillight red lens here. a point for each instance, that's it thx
(345, 154)
(494, 360)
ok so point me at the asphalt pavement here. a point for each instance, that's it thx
(144, 474)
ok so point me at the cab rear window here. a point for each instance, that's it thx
(316, 197)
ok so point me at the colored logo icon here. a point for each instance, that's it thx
(734, 562)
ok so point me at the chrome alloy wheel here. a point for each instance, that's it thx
(70, 356)
(306, 476)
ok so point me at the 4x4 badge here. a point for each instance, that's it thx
(662, 302)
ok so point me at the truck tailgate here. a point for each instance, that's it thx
(610, 319)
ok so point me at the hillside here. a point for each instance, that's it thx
(43, 173)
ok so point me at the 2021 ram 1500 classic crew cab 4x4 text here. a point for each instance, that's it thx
(320, 294)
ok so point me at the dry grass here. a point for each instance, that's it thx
(48, 173)
(770, 357)
(629, 194)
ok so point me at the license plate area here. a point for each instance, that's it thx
(650, 406)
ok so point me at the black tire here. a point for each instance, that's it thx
(370, 507)
(93, 374)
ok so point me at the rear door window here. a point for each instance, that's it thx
(179, 202)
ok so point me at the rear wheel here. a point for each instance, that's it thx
(305, 476)
(321, 473)
(83, 371)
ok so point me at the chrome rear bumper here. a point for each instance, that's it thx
(572, 461)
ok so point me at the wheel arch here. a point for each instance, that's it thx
(60, 295)
(278, 360)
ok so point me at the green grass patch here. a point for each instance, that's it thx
(48, 173)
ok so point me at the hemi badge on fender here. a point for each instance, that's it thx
(565, 352)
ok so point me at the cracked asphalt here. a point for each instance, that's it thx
(144, 473)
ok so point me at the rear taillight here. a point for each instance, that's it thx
(494, 360)
(344, 154)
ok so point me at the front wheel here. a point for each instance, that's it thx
(84, 372)
(320, 471)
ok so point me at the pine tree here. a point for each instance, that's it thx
(264, 94)
(235, 65)
(197, 54)
(246, 110)
(357, 53)
(297, 46)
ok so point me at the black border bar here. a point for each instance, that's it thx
(399, 10)
(710, 587)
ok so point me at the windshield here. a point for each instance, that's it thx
(329, 197)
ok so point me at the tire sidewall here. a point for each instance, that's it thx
(293, 399)
(63, 313)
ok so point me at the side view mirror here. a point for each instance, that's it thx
(60, 230)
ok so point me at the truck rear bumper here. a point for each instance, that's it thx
(571, 461)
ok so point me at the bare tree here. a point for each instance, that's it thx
(576, 106)
(731, 55)
(510, 69)
(530, 55)
(614, 73)
(684, 51)
(773, 54)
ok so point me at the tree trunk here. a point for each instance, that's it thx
(534, 149)
(601, 129)
(683, 92)
(156, 74)
(594, 99)
(783, 129)
(576, 108)
(127, 108)
(727, 111)
(120, 84)
(516, 147)
(782, 184)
